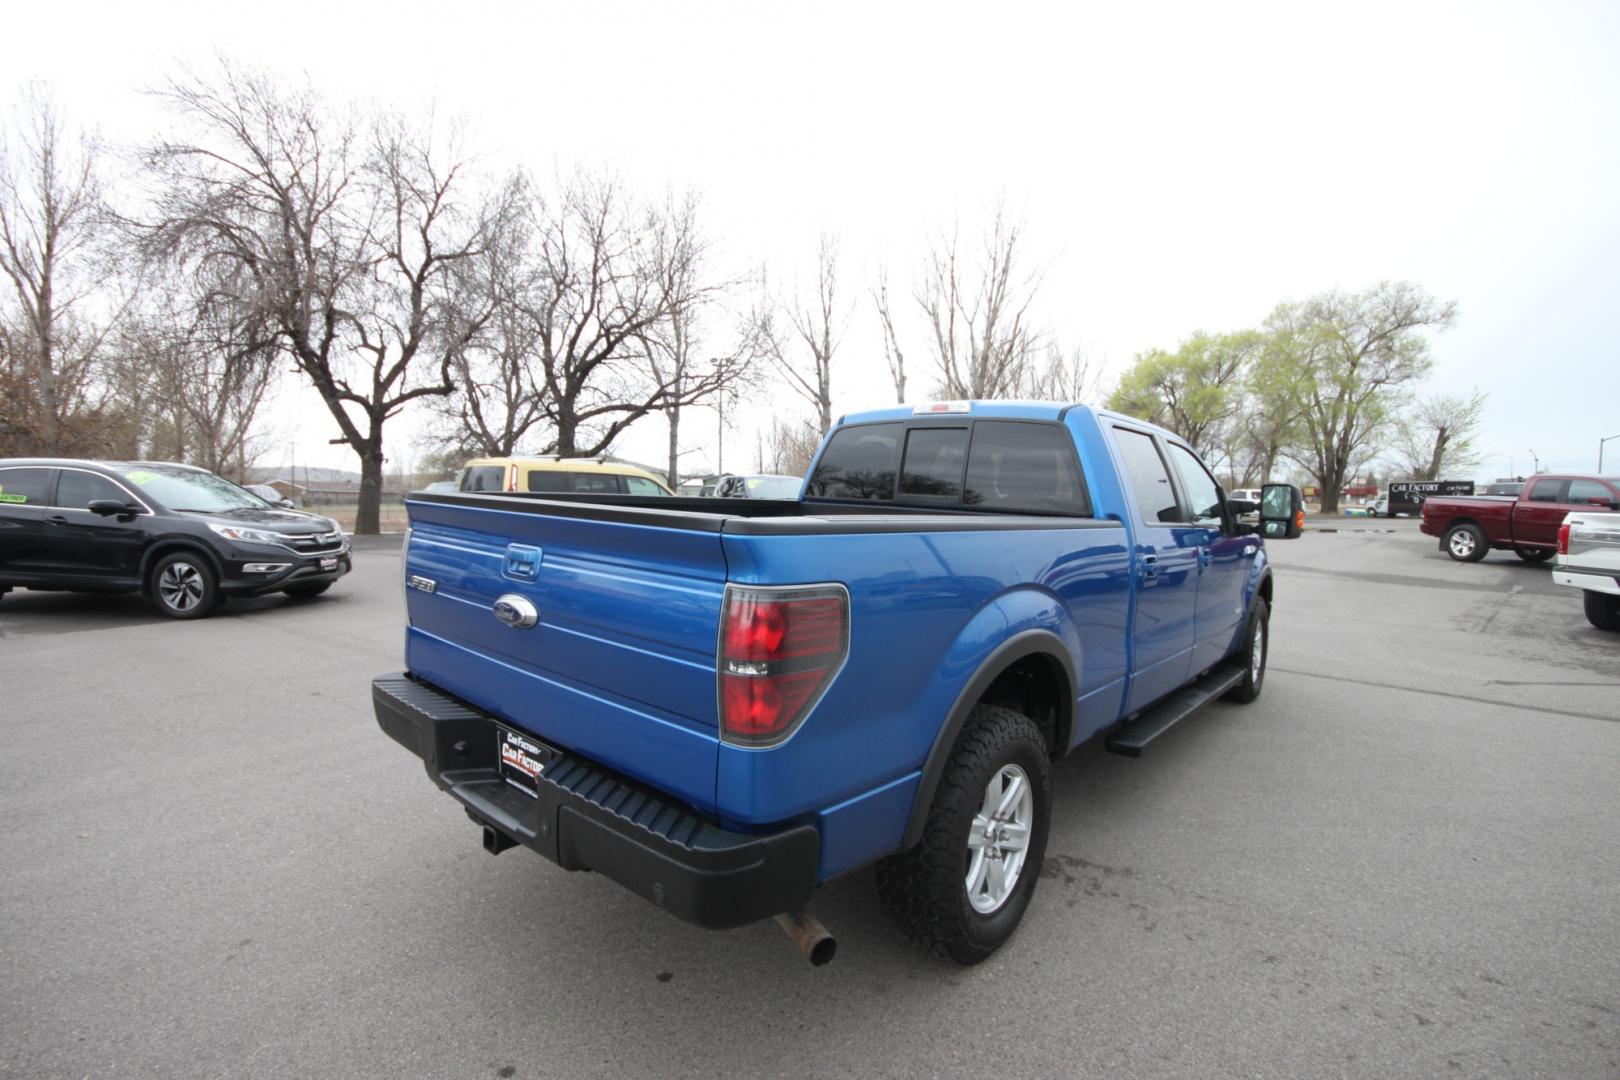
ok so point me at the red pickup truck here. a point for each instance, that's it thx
(1468, 526)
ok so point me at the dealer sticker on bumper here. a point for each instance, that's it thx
(522, 759)
(329, 564)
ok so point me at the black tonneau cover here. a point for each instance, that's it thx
(757, 517)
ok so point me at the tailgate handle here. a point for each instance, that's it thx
(522, 562)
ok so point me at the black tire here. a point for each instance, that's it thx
(1602, 609)
(1534, 555)
(183, 586)
(925, 889)
(1256, 635)
(1466, 542)
(312, 589)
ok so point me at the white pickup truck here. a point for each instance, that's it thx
(1589, 560)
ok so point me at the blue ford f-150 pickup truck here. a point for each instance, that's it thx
(721, 704)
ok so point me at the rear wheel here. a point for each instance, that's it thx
(1466, 542)
(1533, 555)
(183, 586)
(1252, 656)
(963, 889)
(312, 589)
(1602, 609)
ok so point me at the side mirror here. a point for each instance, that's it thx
(112, 508)
(1282, 511)
(1241, 507)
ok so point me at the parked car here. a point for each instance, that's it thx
(759, 486)
(584, 476)
(182, 536)
(722, 708)
(1589, 560)
(271, 496)
(1528, 526)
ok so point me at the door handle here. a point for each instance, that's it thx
(57, 519)
(1150, 570)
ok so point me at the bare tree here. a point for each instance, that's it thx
(787, 446)
(50, 205)
(1437, 435)
(817, 325)
(1068, 377)
(611, 277)
(345, 241)
(979, 315)
(892, 352)
(498, 403)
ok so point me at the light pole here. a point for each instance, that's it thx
(1611, 438)
(1536, 462)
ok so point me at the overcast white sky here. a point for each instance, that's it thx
(1180, 167)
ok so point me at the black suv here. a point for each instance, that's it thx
(181, 535)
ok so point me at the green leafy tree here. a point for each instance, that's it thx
(1195, 391)
(1341, 360)
(1436, 436)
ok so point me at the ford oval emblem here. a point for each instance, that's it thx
(516, 611)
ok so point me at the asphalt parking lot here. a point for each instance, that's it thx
(1401, 861)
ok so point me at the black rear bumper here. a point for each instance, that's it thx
(587, 817)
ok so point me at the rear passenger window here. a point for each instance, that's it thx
(541, 480)
(24, 486)
(585, 483)
(859, 464)
(1148, 477)
(75, 490)
(1547, 491)
(933, 462)
(1023, 467)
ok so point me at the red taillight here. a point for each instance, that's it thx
(1563, 539)
(778, 650)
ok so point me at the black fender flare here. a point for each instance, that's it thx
(1025, 644)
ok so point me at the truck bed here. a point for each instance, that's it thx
(621, 666)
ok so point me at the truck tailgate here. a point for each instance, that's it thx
(620, 666)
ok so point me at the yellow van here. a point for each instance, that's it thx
(557, 475)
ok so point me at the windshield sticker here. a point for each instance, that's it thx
(12, 498)
(141, 476)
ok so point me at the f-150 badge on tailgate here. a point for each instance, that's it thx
(516, 611)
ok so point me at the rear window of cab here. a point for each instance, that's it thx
(1012, 466)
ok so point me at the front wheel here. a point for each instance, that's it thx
(183, 586)
(1257, 638)
(1466, 542)
(1533, 555)
(962, 890)
(1602, 609)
